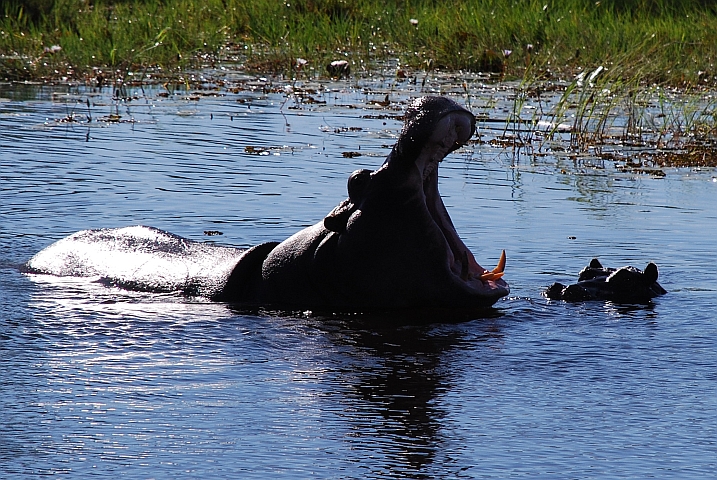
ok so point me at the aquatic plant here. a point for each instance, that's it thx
(606, 114)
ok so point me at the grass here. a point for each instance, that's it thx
(659, 41)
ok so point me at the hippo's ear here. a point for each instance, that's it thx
(595, 263)
(358, 181)
(650, 273)
(337, 219)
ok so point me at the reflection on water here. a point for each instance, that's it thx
(395, 379)
(97, 381)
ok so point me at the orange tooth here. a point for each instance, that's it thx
(491, 276)
(497, 272)
(501, 264)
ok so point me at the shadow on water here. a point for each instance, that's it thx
(26, 92)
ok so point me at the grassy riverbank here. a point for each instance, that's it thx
(665, 41)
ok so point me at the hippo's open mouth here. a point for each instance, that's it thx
(452, 131)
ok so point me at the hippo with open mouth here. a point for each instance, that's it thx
(623, 285)
(391, 244)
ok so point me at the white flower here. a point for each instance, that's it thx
(595, 74)
(52, 49)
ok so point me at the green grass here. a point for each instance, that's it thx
(656, 41)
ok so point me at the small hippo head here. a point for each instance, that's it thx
(623, 285)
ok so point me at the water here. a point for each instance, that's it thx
(101, 382)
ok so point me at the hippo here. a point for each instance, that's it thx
(622, 285)
(390, 245)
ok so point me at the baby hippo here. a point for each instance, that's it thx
(622, 285)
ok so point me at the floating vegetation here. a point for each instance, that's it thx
(252, 150)
(342, 129)
(400, 118)
(639, 167)
(73, 118)
(693, 156)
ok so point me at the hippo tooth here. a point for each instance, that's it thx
(490, 276)
(497, 272)
(429, 169)
(501, 263)
(465, 271)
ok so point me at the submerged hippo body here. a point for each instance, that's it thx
(391, 244)
(595, 282)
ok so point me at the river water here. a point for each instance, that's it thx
(99, 382)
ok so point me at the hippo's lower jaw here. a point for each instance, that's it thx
(460, 261)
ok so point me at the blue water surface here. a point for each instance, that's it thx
(97, 382)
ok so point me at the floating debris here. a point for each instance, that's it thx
(252, 150)
(339, 68)
(381, 103)
(111, 118)
(256, 150)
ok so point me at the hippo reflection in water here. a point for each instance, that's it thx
(391, 244)
(623, 285)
